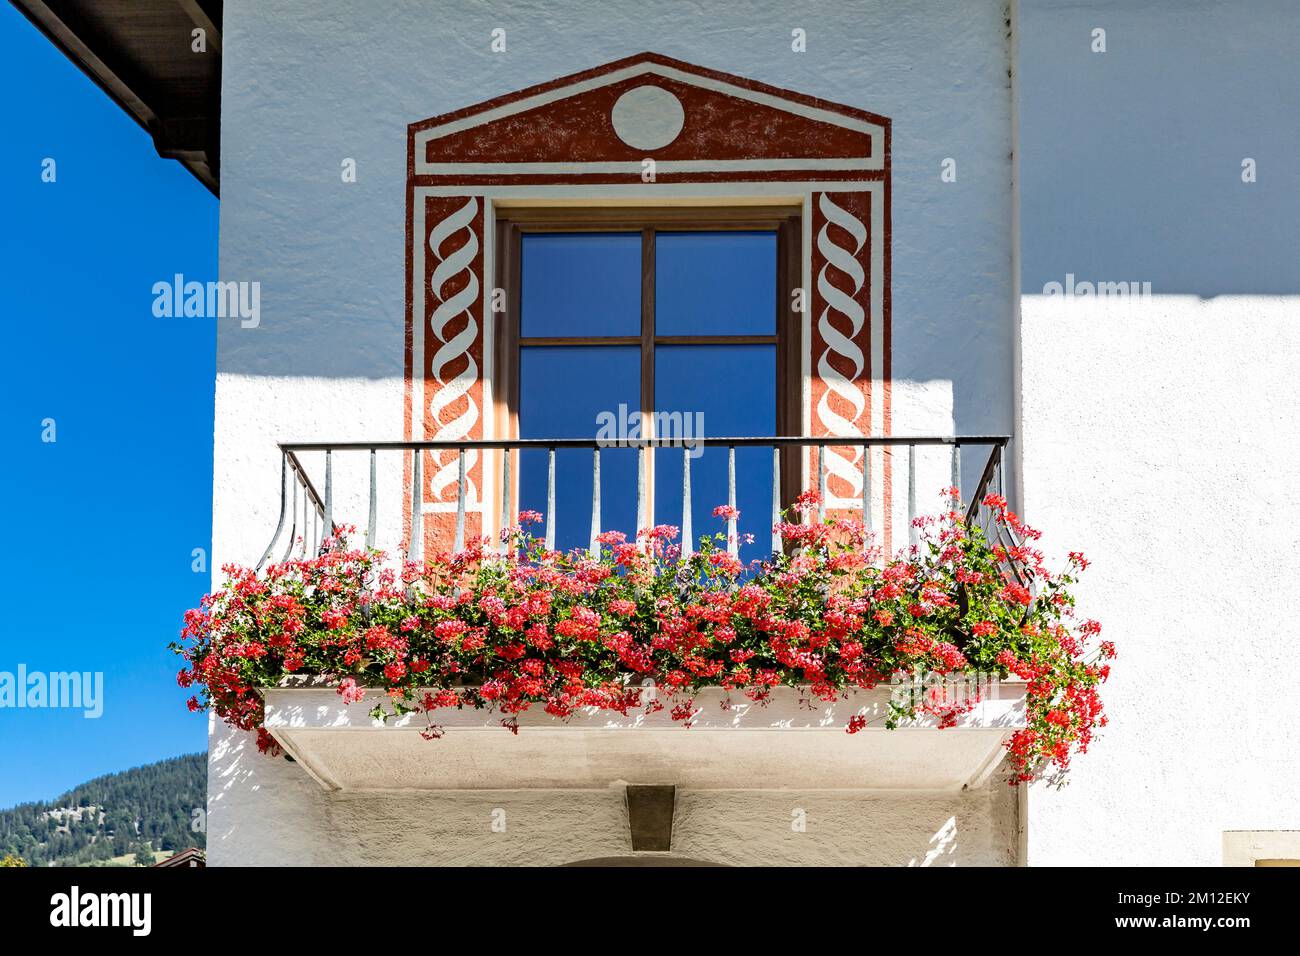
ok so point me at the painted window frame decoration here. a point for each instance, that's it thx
(644, 131)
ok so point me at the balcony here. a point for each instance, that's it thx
(791, 740)
(919, 462)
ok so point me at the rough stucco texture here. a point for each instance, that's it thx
(268, 812)
(1172, 475)
(1158, 434)
(306, 85)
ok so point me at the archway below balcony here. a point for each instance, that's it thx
(603, 861)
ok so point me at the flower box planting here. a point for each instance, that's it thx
(646, 635)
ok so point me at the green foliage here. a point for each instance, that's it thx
(134, 812)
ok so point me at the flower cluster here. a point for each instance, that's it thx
(558, 631)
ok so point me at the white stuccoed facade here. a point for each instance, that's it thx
(1158, 434)
(1151, 434)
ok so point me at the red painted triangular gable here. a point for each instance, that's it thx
(726, 118)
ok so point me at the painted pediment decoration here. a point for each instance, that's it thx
(688, 119)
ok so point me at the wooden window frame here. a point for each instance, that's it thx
(512, 223)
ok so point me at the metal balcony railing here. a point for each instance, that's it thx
(300, 500)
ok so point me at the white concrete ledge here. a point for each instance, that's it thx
(794, 740)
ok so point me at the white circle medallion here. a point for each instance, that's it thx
(648, 117)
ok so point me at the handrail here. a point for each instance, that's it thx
(781, 441)
(986, 476)
(310, 489)
(323, 508)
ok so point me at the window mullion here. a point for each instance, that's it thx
(648, 365)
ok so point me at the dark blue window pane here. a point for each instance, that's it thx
(580, 284)
(715, 283)
(727, 391)
(562, 391)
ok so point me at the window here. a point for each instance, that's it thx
(667, 320)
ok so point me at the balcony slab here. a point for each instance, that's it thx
(792, 742)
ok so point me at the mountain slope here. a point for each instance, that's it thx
(136, 812)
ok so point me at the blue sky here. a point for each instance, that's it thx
(96, 571)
